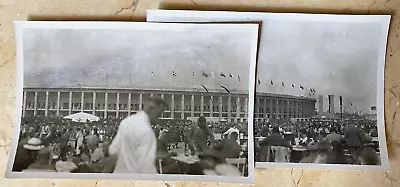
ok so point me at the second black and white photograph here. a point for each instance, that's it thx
(146, 101)
(319, 87)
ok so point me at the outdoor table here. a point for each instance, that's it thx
(298, 153)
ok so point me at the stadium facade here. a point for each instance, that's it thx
(182, 103)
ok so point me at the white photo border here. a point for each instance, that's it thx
(226, 16)
(21, 25)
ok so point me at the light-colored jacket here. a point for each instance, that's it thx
(135, 145)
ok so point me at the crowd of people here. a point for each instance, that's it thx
(140, 143)
(326, 142)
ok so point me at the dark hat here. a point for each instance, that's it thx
(202, 119)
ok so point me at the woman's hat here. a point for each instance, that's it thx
(34, 144)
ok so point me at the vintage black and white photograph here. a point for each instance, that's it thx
(319, 87)
(152, 101)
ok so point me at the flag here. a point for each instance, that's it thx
(373, 108)
(272, 83)
(223, 75)
(212, 74)
(293, 85)
(204, 74)
(152, 73)
(239, 78)
(301, 87)
(283, 84)
(311, 90)
(230, 75)
(174, 73)
(259, 82)
(193, 73)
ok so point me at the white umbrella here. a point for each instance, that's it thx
(82, 117)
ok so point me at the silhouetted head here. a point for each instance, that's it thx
(155, 109)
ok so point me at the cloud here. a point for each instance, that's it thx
(126, 58)
(332, 57)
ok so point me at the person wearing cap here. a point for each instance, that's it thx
(229, 148)
(275, 139)
(354, 137)
(135, 143)
(42, 164)
(198, 135)
(231, 130)
(26, 154)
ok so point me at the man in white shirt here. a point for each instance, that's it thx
(135, 144)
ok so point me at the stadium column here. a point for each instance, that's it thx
(94, 103)
(70, 104)
(140, 101)
(220, 107)
(277, 108)
(183, 106)
(287, 109)
(151, 95)
(246, 113)
(270, 108)
(238, 108)
(35, 105)
(257, 108)
(129, 103)
(105, 104)
(24, 105)
(82, 100)
(162, 97)
(172, 105)
(297, 109)
(202, 105)
(265, 108)
(117, 113)
(58, 103)
(211, 106)
(46, 105)
(229, 108)
(192, 107)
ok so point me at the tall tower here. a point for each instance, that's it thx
(320, 103)
(331, 100)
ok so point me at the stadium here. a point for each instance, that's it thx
(105, 102)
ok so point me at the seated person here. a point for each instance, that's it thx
(169, 166)
(229, 148)
(42, 163)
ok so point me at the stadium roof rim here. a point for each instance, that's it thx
(196, 90)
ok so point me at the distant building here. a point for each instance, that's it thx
(182, 104)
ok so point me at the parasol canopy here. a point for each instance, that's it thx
(82, 117)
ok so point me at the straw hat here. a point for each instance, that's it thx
(34, 144)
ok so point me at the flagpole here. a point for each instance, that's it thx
(130, 79)
(194, 88)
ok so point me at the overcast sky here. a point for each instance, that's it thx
(332, 57)
(59, 57)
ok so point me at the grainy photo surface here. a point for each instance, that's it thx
(153, 100)
(319, 92)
